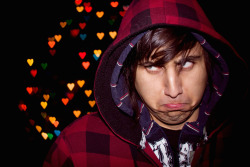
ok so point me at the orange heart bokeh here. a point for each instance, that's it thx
(77, 113)
(88, 92)
(100, 35)
(92, 103)
(51, 44)
(86, 64)
(114, 4)
(65, 101)
(99, 14)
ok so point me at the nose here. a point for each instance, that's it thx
(172, 84)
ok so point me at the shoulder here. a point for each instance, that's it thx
(88, 129)
(88, 123)
(88, 141)
(77, 139)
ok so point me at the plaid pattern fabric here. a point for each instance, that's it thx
(220, 149)
(89, 142)
(187, 13)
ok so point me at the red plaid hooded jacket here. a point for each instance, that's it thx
(111, 137)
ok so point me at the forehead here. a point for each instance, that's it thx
(164, 53)
(197, 50)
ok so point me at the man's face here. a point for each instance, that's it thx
(173, 92)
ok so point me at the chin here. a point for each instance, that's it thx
(173, 117)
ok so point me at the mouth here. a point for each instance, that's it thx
(175, 106)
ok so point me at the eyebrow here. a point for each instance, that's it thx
(188, 58)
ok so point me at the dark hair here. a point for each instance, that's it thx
(176, 40)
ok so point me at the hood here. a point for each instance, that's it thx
(143, 15)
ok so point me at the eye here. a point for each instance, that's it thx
(153, 68)
(187, 64)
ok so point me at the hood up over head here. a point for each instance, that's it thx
(111, 94)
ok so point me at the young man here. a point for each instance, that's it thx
(156, 89)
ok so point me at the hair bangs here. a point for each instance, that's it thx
(161, 45)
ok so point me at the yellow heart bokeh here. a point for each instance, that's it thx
(58, 37)
(44, 135)
(100, 35)
(113, 34)
(52, 119)
(92, 103)
(38, 128)
(99, 14)
(98, 52)
(30, 61)
(44, 104)
(80, 83)
(88, 92)
(77, 113)
(79, 8)
(71, 86)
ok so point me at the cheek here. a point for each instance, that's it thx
(194, 85)
(147, 88)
